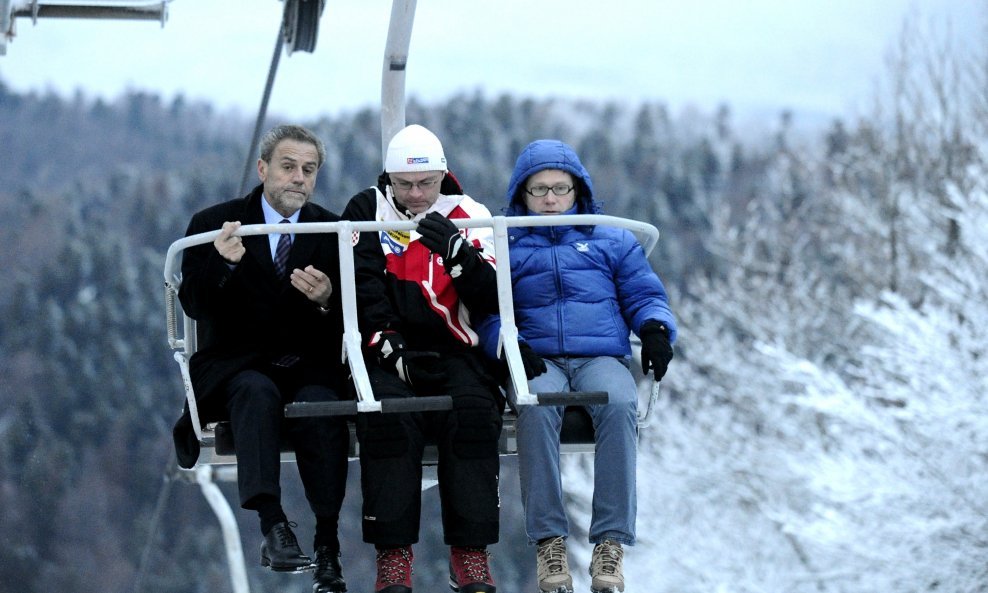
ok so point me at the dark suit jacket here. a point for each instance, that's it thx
(247, 317)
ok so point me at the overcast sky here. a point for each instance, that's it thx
(814, 56)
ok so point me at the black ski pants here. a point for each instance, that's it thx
(391, 447)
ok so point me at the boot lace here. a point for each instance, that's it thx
(607, 559)
(551, 558)
(285, 535)
(394, 567)
(472, 564)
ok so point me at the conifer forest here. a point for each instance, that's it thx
(823, 427)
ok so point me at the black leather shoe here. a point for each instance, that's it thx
(328, 577)
(280, 551)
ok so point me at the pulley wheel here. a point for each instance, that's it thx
(301, 24)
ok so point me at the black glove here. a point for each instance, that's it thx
(656, 349)
(415, 368)
(530, 361)
(533, 363)
(441, 236)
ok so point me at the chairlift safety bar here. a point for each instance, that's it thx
(366, 402)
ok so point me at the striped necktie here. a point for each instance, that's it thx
(281, 252)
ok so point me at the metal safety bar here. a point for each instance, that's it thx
(345, 232)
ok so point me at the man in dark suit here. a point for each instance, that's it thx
(270, 333)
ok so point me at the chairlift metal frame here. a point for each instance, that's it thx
(217, 463)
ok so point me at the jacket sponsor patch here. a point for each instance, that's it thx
(396, 241)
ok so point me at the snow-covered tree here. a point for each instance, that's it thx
(825, 426)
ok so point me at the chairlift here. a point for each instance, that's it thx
(217, 461)
(215, 438)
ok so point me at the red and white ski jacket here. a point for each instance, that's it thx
(402, 286)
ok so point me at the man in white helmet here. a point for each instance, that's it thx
(418, 292)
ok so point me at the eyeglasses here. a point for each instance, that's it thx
(540, 191)
(406, 186)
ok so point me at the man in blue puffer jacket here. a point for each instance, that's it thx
(579, 292)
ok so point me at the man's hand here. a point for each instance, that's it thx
(533, 363)
(416, 369)
(314, 284)
(441, 236)
(656, 349)
(230, 248)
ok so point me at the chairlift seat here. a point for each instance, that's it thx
(577, 435)
(223, 441)
(577, 427)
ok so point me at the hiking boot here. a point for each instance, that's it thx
(394, 570)
(280, 550)
(551, 566)
(469, 571)
(605, 567)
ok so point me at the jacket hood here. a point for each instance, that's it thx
(549, 154)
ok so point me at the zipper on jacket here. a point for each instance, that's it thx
(559, 289)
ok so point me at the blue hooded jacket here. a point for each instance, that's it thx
(578, 291)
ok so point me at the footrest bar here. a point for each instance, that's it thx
(417, 404)
(572, 398)
(308, 409)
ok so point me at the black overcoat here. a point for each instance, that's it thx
(247, 316)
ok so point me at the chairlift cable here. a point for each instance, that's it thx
(298, 30)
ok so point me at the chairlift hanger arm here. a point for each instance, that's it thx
(393, 74)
